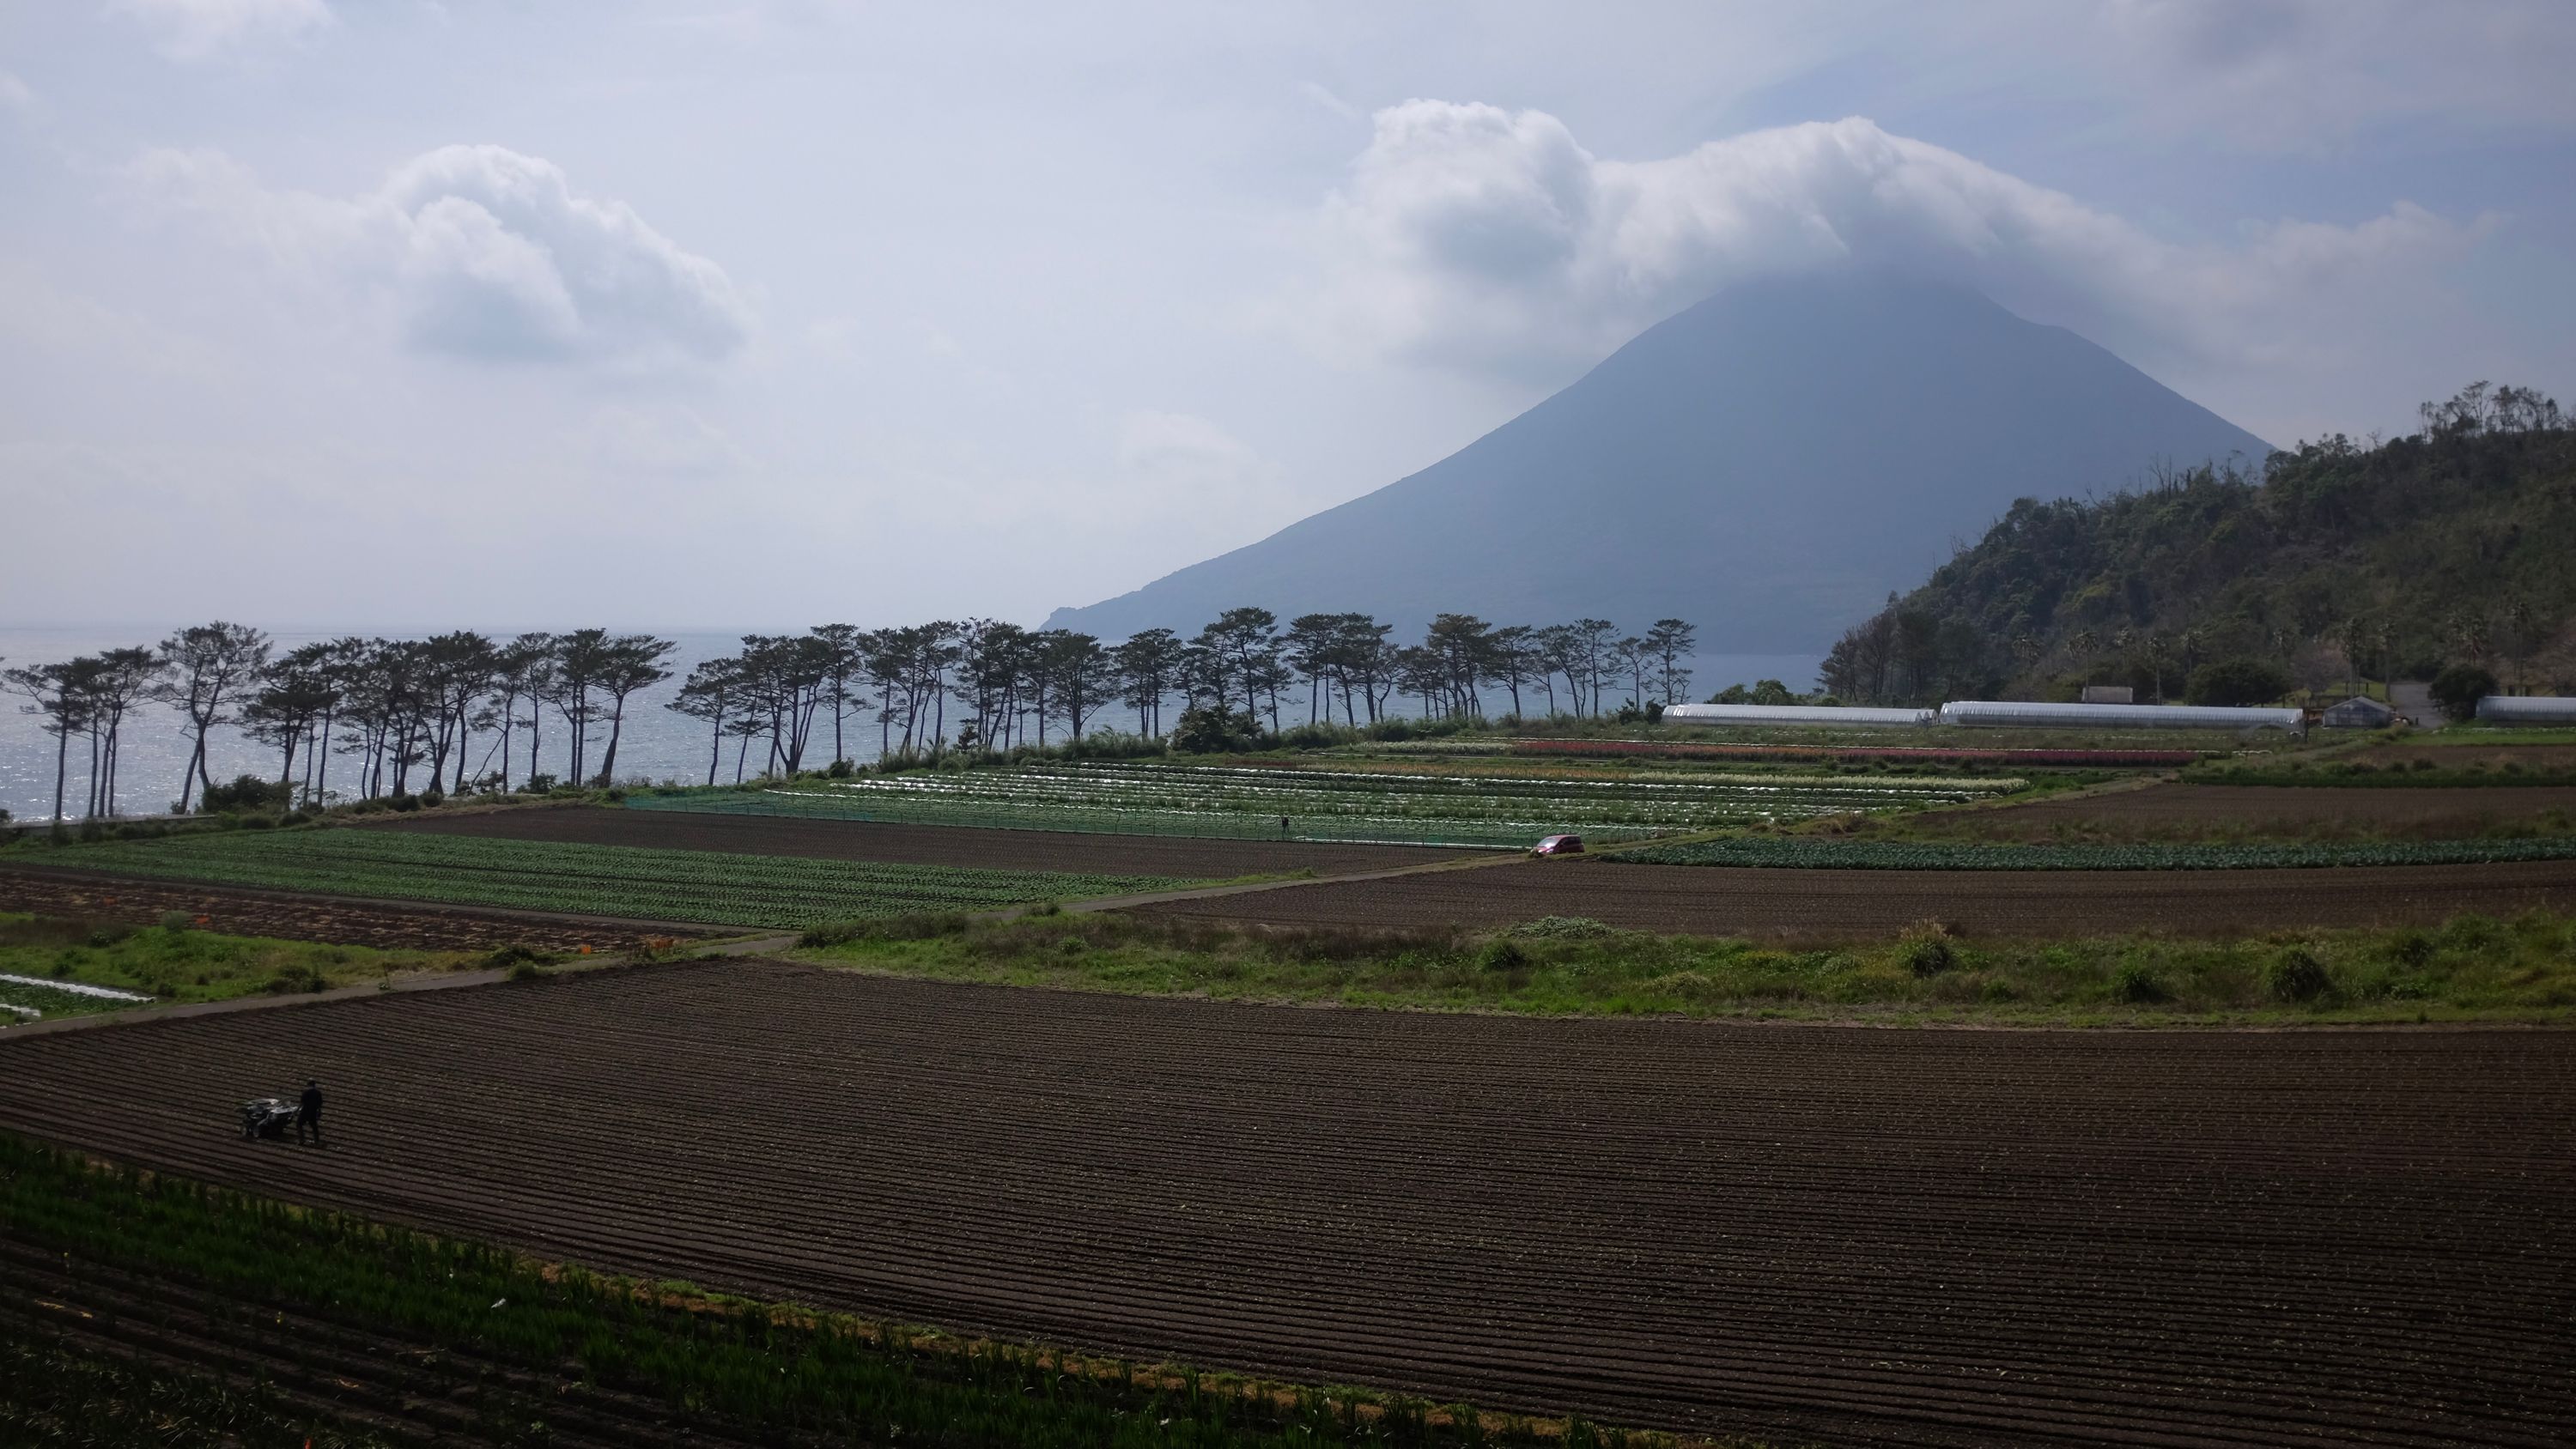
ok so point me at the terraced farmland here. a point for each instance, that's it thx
(698, 886)
(1381, 806)
(1803, 1233)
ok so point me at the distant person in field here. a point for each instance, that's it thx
(308, 1111)
(1283, 827)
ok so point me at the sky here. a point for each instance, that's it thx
(390, 314)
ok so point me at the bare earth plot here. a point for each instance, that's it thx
(955, 845)
(295, 916)
(1810, 1233)
(2163, 810)
(1845, 905)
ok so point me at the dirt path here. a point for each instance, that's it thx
(1803, 1232)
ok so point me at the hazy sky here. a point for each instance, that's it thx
(388, 313)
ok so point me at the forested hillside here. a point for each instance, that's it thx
(2342, 562)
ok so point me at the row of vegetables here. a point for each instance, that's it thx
(1346, 805)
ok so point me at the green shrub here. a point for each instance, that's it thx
(2136, 985)
(247, 795)
(1502, 954)
(1929, 955)
(2297, 975)
(2458, 689)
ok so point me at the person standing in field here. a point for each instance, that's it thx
(308, 1112)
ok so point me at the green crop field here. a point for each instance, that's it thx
(1800, 852)
(605, 880)
(1340, 805)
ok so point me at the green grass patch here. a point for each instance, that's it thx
(750, 1371)
(604, 880)
(173, 963)
(2473, 969)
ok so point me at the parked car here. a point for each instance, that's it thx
(1559, 845)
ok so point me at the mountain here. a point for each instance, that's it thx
(1767, 465)
(2337, 560)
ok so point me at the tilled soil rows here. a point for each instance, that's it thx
(1811, 1233)
(1859, 905)
(290, 916)
(2162, 811)
(957, 845)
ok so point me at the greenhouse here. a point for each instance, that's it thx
(1791, 714)
(2031, 714)
(2540, 709)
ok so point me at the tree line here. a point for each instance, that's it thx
(461, 712)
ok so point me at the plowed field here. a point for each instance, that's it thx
(958, 845)
(2167, 812)
(1845, 905)
(1810, 1233)
(288, 916)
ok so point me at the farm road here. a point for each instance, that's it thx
(1810, 1233)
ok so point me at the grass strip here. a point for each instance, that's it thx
(2472, 969)
(752, 1371)
(175, 963)
(713, 887)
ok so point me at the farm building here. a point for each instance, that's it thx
(2360, 712)
(2110, 694)
(1791, 714)
(2539, 709)
(2007, 714)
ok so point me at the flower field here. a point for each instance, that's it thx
(1345, 805)
(607, 880)
(1809, 853)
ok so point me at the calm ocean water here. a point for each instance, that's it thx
(658, 744)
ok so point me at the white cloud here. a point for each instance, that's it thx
(1490, 240)
(479, 252)
(16, 96)
(195, 30)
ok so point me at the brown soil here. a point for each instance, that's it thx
(1807, 1233)
(1860, 905)
(2302, 812)
(288, 916)
(926, 844)
(2461, 757)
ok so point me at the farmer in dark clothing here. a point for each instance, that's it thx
(308, 1111)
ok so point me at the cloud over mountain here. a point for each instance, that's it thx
(479, 252)
(1489, 239)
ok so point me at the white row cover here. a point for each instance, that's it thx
(1791, 714)
(2028, 713)
(2525, 709)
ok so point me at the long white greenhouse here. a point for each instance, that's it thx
(2528, 709)
(2031, 714)
(1791, 714)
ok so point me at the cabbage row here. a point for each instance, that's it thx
(1347, 805)
(1816, 854)
(710, 887)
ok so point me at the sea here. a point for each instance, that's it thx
(657, 745)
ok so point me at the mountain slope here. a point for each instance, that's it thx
(2449, 546)
(1767, 465)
